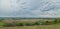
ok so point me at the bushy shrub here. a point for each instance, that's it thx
(46, 23)
(55, 21)
(9, 24)
(19, 24)
(37, 23)
(30, 24)
(24, 24)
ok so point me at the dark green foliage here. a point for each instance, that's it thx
(55, 21)
(24, 24)
(28, 24)
(0, 20)
(19, 24)
(37, 23)
(46, 22)
(9, 24)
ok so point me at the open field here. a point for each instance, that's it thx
(7, 27)
(56, 26)
(30, 24)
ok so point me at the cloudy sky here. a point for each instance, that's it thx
(29, 8)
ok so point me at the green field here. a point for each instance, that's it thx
(30, 24)
(7, 27)
(56, 26)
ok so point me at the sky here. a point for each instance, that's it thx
(29, 8)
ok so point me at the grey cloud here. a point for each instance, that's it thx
(30, 8)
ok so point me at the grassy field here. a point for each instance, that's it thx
(56, 26)
(7, 27)
(51, 26)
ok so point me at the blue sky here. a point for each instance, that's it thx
(29, 8)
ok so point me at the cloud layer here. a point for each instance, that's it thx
(29, 8)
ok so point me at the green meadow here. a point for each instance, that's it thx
(31, 23)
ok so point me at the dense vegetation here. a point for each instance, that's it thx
(11, 22)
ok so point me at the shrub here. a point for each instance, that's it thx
(55, 21)
(30, 24)
(36, 23)
(9, 24)
(19, 24)
(24, 24)
(47, 23)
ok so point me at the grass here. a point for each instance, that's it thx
(7, 27)
(55, 26)
(51, 26)
(1, 23)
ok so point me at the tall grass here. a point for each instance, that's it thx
(16, 23)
